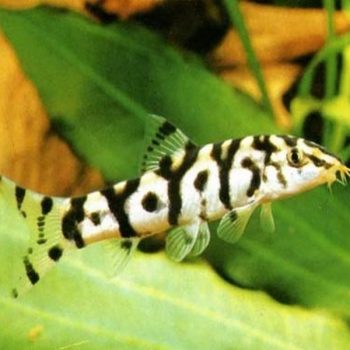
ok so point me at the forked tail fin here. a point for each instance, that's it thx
(44, 244)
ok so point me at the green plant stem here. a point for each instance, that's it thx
(337, 139)
(237, 20)
(345, 5)
(331, 63)
(331, 48)
(330, 136)
(345, 153)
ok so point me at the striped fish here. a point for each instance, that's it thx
(181, 189)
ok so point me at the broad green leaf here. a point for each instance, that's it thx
(99, 82)
(306, 261)
(154, 304)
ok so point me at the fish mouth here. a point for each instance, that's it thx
(340, 174)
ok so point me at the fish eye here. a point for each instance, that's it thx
(295, 157)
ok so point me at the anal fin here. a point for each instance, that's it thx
(119, 253)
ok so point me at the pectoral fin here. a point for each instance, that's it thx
(233, 224)
(266, 218)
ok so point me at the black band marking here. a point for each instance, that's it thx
(19, 193)
(71, 220)
(126, 244)
(203, 211)
(322, 149)
(167, 129)
(41, 241)
(201, 180)
(95, 218)
(116, 202)
(317, 161)
(160, 136)
(256, 178)
(77, 205)
(165, 167)
(290, 141)
(46, 205)
(32, 275)
(55, 253)
(280, 177)
(14, 293)
(224, 169)
(150, 202)
(174, 178)
(233, 215)
(41, 223)
(263, 143)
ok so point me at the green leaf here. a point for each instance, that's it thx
(154, 304)
(306, 261)
(99, 82)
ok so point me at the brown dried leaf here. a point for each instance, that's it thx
(278, 78)
(77, 5)
(31, 153)
(278, 33)
(122, 8)
(19, 4)
(126, 8)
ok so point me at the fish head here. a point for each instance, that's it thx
(299, 165)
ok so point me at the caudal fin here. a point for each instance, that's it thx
(45, 243)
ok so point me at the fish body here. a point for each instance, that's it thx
(160, 199)
(201, 184)
(181, 189)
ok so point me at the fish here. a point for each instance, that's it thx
(182, 187)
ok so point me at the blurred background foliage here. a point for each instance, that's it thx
(78, 80)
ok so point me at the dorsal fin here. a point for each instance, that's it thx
(161, 139)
